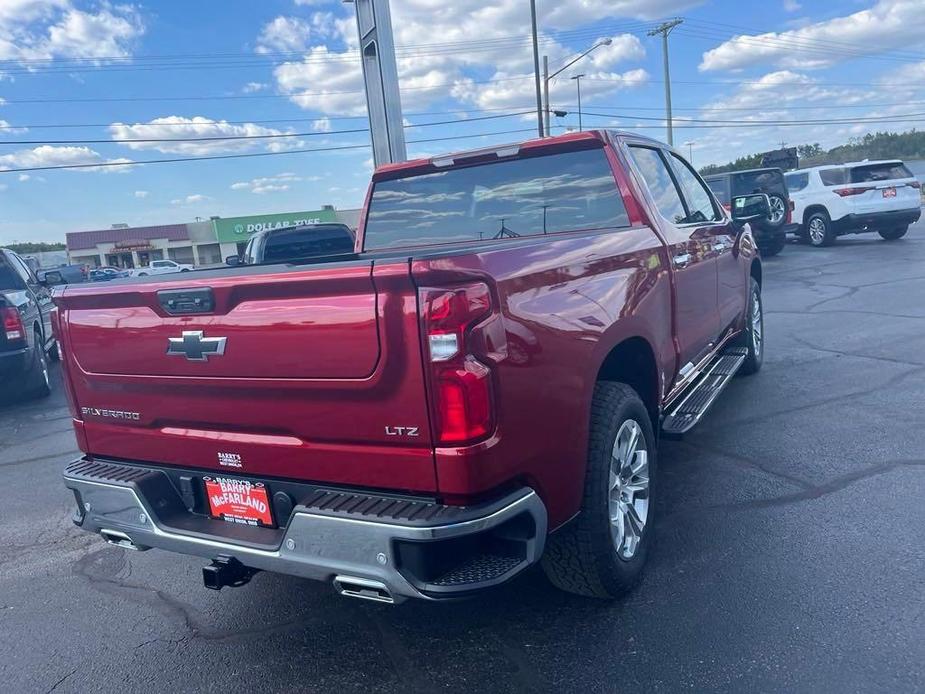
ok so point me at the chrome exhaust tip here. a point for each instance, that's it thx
(120, 539)
(363, 588)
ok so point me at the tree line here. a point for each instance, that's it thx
(886, 145)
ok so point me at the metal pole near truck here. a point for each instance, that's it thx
(536, 70)
(380, 78)
(664, 29)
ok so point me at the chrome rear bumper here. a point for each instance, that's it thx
(362, 555)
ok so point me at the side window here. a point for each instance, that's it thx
(655, 173)
(699, 201)
(833, 177)
(22, 269)
(797, 181)
(9, 277)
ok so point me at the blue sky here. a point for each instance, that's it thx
(195, 68)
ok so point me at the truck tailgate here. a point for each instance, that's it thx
(319, 367)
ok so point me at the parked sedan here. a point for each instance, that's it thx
(26, 341)
(161, 267)
(105, 274)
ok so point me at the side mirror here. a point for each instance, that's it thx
(52, 279)
(233, 260)
(748, 208)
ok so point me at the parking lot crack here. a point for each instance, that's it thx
(61, 681)
(845, 353)
(749, 462)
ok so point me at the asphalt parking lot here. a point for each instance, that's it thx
(791, 546)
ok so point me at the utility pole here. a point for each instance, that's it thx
(380, 77)
(577, 79)
(536, 69)
(664, 29)
(546, 122)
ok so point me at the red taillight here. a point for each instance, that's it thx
(461, 384)
(848, 192)
(12, 323)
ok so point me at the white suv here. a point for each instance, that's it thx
(161, 267)
(829, 201)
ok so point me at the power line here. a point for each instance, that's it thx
(251, 155)
(267, 136)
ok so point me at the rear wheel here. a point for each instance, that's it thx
(752, 337)
(893, 234)
(819, 230)
(602, 552)
(38, 381)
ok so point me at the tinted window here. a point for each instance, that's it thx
(9, 278)
(507, 199)
(797, 181)
(699, 201)
(833, 177)
(307, 242)
(660, 184)
(720, 187)
(758, 182)
(879, 172)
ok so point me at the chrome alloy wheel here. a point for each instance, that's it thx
(778, 210)
(756, 322)
(628, 500)
(817, 230)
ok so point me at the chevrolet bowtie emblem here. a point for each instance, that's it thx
(195, 347)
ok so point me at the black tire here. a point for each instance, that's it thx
(755, 356)
(583, 556)
(54, 354)
(819, 230)
(186, 269)
(142, 274)
(893, 234)
(773, 246)
(37, 384)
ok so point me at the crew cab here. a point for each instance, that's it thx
(866, 196)
(26, 340)
(161, 267)
(480, 386)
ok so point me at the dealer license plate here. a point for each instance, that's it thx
(239, 501)
(889, 192)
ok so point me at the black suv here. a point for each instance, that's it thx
(770, 233)
(26, 341)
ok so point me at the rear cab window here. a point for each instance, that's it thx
(887, 171)
(547, 194)
(307, 242)
(9, 277)
(750, 182)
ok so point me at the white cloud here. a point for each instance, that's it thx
(284, 35)
(41, 29)
(191, 199)
(3, 186)
(179, 127)
(7, 129)
(48, 155)
(24, 177)
(329, 78)
(792, 6)
(252, 87)
(322, 125)
(141, 194)
(270, 184)
(888, 25)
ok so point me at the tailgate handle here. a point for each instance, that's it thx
(178, 302)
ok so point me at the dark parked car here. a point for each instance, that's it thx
(105, 274)
(26, 340)
(770, 233)
(296, 243)
(65, 274)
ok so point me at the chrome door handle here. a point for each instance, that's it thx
(682, 259)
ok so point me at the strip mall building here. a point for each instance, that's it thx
(197, 243)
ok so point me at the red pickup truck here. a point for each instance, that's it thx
(479, 387)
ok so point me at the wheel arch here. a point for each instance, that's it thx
(755, 270)
(812, 209)
(632, 361)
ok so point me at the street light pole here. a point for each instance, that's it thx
(536, 70)
(690, 150)
(547, 77)
(577, 79)
(546, 95)
(664, 29)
